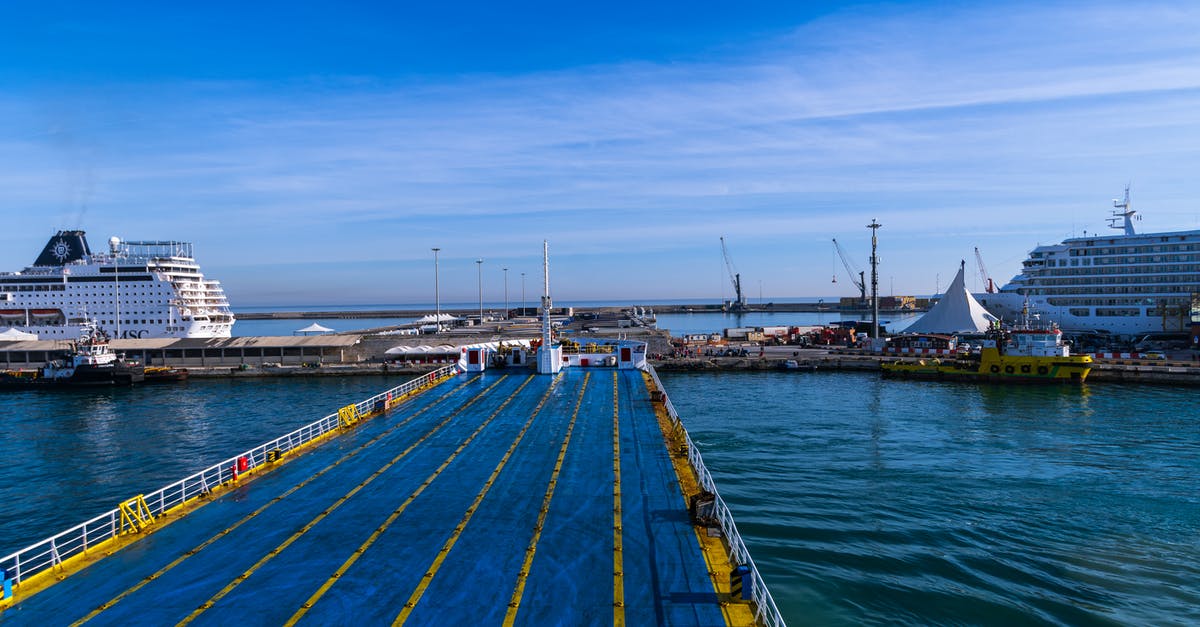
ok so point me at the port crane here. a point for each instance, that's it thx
(990, 287)
(740, 303)
(851, 269)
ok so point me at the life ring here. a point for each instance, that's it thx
(1043, 370)
(1025, 369)
(1009, 369)
(995, 369)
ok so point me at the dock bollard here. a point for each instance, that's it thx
(741, 585)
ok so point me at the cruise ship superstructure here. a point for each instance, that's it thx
(1127, 284)
(136, 289)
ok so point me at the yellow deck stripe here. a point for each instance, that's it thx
(179, 560)
(618, 549)
(427, 578)
(329, 510)
(514, 603)
(362, 549)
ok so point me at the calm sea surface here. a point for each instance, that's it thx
(901, 502)
(862, 500)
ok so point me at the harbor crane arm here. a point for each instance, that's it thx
(734, 276)
(990, 287)
(852, 270)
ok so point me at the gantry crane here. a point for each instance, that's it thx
(989, 286)
(851, 269)
(740, 303)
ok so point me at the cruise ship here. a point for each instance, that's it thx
(1129, 284)
(150, 289)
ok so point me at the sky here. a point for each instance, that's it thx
(314, 153)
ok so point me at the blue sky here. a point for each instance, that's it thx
(315, 153)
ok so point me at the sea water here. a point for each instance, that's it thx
(863, 501)
(904, 502)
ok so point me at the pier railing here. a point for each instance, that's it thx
(765, 612)
(58, 551)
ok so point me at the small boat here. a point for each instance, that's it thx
(90, 362)
(1023, 355)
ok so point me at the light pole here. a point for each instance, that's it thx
(522, 293)
(479, 264)
(874, 226)
(437, 294)
(505, 293)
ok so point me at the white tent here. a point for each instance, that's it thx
(433, 319)
(312, 329)
(956, 312)
(424, 349)
(15, 335)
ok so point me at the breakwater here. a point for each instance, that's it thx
(351, 314)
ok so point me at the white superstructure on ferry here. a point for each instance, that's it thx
(134, 290)
(1127, 284)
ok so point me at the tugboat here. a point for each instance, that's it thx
(90, 362)
(1022, 355)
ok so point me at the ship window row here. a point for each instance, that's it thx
(1133, 250)
(1119, 262)
(1162, 289)
(1145, 269)
(1126, 302)
(56, 287)
(1147, 279)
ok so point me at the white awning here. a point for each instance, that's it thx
(312, 328)
(16, 335)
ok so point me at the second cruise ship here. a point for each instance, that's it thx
(1128, 284)
(137, 289)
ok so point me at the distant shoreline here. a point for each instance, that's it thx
(658, 309)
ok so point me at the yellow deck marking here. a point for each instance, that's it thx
(362, 549)
(462, 524)
(618, 549)
(329, 510)
(716, 553)
(179, 560)
(522, 576)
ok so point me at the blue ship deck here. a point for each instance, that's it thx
(501, 497)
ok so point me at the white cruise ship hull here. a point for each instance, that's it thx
(1127, 284)
(134, 290)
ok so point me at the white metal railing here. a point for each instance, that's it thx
(53, 551)
(765, 610)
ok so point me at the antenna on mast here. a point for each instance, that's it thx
(1125, 213)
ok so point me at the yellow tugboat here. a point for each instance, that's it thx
(1020, 356)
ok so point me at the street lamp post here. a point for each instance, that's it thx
(479, 264)
(505, 293)
(437, 294)
(522, 293)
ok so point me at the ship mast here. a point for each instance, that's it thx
(1125, 212)
(546, 302)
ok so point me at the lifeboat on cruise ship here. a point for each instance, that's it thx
(12, 313)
